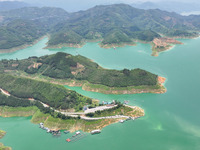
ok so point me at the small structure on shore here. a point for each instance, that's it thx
(54, 132)
(41, 125)
(78, 135)
(78, 132)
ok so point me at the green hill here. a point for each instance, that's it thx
(116, 37)
(65, 66)
(18, 33)
(128, 23)
(54, 95)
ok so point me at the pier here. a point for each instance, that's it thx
(76, 137)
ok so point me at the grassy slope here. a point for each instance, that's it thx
(123, 110)
(17, 111)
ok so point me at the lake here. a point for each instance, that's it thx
(171, 120)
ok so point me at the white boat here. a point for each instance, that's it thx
(78, 132)
(121, 121)
(41, 125)
(95, 131)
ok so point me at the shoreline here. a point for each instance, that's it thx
(3, 51)
(2, 147)
(109, 46)
(85, 85)
(106, 46)
(74, 124)
(127, 90)
(156, 52)
(163, 44)
(60, 46)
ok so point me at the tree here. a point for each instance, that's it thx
(126, 72)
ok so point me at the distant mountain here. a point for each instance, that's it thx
(178, 7)
(18, 33)
(9, 5)
(114, 25)
(124, 23)
(44, 14)
(25, 25)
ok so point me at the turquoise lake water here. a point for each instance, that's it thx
(171, 120)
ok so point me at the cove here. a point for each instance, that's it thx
(171, 120)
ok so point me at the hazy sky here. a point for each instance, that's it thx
(74, 5)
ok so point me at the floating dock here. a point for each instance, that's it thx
(76, 137)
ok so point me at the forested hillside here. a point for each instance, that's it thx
(112, 24)
(65, 66)
(54, 95)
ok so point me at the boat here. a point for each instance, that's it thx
(41, 125)
(121, 121)
(45, 128)
(95, 131)
(66, 132)
(68, 140)
(78, 132)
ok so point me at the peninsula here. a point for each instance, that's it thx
(163, 44)
(94, 115)
(65, 69)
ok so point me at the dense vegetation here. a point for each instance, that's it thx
(19, 102)
(14, 102)
(180, 33)
(19, 32)
(65, 66)
(24, 26)
(54, 95)
(116, 37)
(113, 24)
(68, 37)
(121, 23)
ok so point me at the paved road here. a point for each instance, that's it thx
(107, 117)
(99, 108)
(76, 114)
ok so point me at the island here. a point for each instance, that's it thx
(2, 147)
(65, 69)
